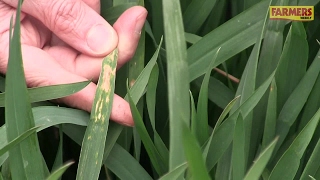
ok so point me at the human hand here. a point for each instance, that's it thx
(64, 41)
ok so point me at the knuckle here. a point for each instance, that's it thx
(66, 15)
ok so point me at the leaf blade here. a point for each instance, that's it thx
(259, 164)
(295, 152)
(93, 144)
(50, 92)
(25, 159)
(58, 173)
(178, 85)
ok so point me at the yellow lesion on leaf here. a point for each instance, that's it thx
(132, 82)
(104, 85)
(107, 99)
(108, 71)
(98, 110)
(106, 76)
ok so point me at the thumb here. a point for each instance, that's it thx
(75, 23)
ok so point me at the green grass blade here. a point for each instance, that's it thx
(288, 164)
(225, 112)
(3, 142)
(161, 147)
(269, 132)
(313, 163)
(269, 59)
(312, 178)
(124, 165)
(175, 173)
(155, 157)
(247, 83)
(296, 100)
(46, 117)
(194, 155)
(25, 159)
(151, 95)
(178, 85)
(293, 62)
(136, 64)
(260, 163)
(58, 162)
(216, 16)
(17, 140)
(50, 92)
(249, 3)
(271, 49)
(58, 173)
(238, 150)
(49, 116)
(191, 16)
(219, 93)
(246, 87)
(200, 127)
(151, 106)
(135, 67)
(115, 130)
(112, 14)
(95, 137)
(5, 170)
(311, 105)
(192, 38)
(233, 37)
(193, 114)
(224, 166)
(224, 133)
(138, 88)
(76, 133)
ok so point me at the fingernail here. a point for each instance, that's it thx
(97, 38)
(140, 22)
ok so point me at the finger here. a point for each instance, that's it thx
(94, 4)
(84, 99)
(80, 64)
(128, 27)
(75, 23)
(5, 14)
(42, 70)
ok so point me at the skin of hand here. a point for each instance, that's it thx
(64, 41)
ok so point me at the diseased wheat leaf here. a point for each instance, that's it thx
(93, 144)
